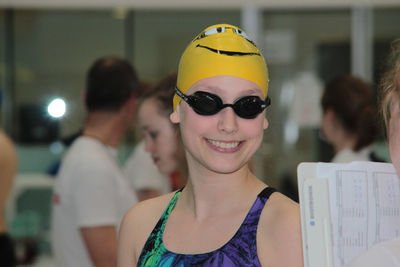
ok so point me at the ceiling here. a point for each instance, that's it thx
(190, 4)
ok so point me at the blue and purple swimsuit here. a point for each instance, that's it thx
(240, 250)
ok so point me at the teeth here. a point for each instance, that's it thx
(223, 144)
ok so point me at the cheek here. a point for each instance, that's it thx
(194, 124)
(168, 142)
(394, 147)
(169, 148)
(253, 128)
(394, 143)
(395, 154)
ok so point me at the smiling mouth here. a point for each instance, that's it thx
(229, 53)
(224, 145)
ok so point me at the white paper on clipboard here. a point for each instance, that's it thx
(345, 209)
(315, 217)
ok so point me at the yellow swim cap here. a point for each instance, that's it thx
(221, 49)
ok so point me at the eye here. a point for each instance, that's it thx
(153, 135)
(242, 33)
(214, 31)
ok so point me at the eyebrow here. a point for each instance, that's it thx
(144, 127)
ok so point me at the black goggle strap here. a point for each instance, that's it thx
(181, 95)
(267, 102)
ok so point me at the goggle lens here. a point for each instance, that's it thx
(204, 103)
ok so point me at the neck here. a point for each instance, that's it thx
(106, 127)
(208, 193)
(344, 142)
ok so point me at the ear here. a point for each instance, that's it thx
(330, 115)
(265, 123)
(174, 117)
(128, 110)
(130, 105)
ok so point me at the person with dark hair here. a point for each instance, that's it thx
(388, 253)
(91, 194)
(224, 215)
(349, 119)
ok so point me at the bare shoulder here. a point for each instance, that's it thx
(148, 209)
(281, 218)
(281, 209)
(280, 231)
(137, 225)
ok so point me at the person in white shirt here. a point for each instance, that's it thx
(388, 253)
(91, 194)
(349, 120)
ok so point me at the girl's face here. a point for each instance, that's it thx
(159, 136)
(394, 134)
(223, 142)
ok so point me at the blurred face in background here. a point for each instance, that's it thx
(159, 135)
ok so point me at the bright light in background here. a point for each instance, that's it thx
(57, 108)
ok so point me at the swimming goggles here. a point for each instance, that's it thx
(207, 104)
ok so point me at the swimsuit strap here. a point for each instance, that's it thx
(266, 193)
(154, 242)
(246, 236)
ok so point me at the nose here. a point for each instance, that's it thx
(227, 121)
(148, 145)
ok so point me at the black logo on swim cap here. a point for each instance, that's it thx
(229, 53)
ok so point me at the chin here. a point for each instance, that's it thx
(165, 170)
(225, 168)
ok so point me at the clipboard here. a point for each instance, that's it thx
(315, 217)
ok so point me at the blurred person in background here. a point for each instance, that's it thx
(349, 119)
(142, 172)
(161, 136)
(387, 253)
(91, 194)
(8, 171)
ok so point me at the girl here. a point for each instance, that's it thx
(161, 137)
(225, 215)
